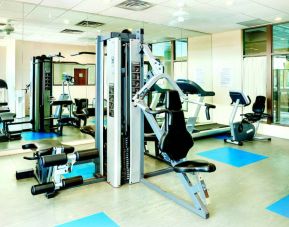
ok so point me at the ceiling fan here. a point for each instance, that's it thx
(7, 28)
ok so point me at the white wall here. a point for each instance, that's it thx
(3, 62)
(227, 54)
(200, 68)
(227, 71)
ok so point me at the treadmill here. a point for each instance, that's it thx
(204, 129)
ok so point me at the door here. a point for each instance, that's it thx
(80, 76)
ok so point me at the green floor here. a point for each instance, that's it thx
(238, 196)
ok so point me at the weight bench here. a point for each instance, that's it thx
(62, 121)
(174, 143)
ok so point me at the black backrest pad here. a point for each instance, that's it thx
(259, 105)
(176, 141)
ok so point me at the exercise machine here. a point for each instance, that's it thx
(6, 117)
(51, 164)
(41, 84)
(123, 73)
(245, 130)
(203, 129)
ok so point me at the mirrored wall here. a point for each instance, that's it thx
(67, 36)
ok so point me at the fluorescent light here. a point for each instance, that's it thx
(278, 18)
(229, 2)
(181, 19)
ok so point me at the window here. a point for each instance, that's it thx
(163, 52)
(281, 89)
(255, 41)
(281, 38)
(181, 50)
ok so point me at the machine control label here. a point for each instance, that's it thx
(111, 100)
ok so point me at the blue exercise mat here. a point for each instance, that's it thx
(232, 156)
(85, 170)
(95, 220)
(281, 207)
(38, 135)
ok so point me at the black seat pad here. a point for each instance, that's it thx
(89, 129)
(7, 117)
(176, 141)
(194, 166)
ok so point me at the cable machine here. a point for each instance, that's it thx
(119, 78)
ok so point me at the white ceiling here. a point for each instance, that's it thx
(44, 19)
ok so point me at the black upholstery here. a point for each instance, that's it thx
(191, 88)
(81, 112)
(176, 141)
(257, 111)
(194, 166)
(89, 129)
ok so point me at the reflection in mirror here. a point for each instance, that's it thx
(41, 30)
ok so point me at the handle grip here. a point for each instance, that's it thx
(43, 188)
(208, 107)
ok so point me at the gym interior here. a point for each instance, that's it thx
(144, 113)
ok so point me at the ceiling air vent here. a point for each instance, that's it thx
(90, 24)
(254, 23)
(134, 5)
(71, 31)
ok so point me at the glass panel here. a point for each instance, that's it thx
(281, 89)
(181, 48)
(255, 41)
(163, 51)
(281, 38)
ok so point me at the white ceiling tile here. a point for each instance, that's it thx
(15, 10)
(282, 5)
(118, 12)
(65, 4)
(45, 14)
(180, 3)
(95, 6)
(246, 7)
(30, 1)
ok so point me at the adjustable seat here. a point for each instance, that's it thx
(177, 141)
(88, 129)
(81, 112)
(257, 111)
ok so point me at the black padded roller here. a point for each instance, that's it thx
(86, 155)
(31, 146)
(43, 188)
(53, 160)
(68, 150)
(73, 181)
